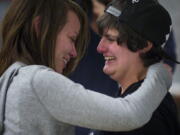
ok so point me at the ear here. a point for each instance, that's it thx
(147, 48)
(36, 22)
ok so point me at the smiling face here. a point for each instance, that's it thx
(65, 43)
(120, 62)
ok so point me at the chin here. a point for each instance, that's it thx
(111, 74)
(59, 71)
(108, 72)
(59, 68)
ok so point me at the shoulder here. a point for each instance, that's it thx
(33, 69)
(27, 73)
(42, 76)
(36, 74)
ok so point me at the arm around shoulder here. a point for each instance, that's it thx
(71, 103)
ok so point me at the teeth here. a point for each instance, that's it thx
(65, 61)
(109, 58)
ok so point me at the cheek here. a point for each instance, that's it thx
(59, 47)
(58, 44)
(123, 57)
(60, 41)
(126, 60)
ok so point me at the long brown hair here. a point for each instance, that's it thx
(19, 38)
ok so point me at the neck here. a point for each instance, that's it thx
(132, 76)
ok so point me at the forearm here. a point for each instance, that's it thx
(71, 103)
(147, 98)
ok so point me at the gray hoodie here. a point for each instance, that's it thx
(35, 100)
(5, 81)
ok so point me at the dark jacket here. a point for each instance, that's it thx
(163, 122)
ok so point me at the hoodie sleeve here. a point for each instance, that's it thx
(71, 103)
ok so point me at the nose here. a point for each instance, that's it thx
(101, 46)
(73, 52)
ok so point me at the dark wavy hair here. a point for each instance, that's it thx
(104, 2)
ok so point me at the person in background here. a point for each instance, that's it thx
(89, 70)
(130, 45)
(170, 48)
(99, 7)
(42, 41)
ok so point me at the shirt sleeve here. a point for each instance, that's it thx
(71, 103)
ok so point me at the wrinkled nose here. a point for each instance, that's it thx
(101, 46)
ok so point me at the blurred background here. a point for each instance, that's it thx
(173, 7)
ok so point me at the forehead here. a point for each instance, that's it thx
(111, 32)
(73, 22)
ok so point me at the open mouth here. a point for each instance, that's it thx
(109, 58)
(65, 61)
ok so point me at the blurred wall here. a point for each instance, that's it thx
(173, 7)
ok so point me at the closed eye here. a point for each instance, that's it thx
(73, 39)
(110, 38)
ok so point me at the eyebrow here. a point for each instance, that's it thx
(110, 36)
